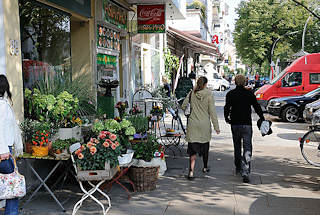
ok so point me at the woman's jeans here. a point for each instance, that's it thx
(12, 205)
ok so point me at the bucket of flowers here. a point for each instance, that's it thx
(98, 159)
(40, 141)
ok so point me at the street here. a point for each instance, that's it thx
(281, 182)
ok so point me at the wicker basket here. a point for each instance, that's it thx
(97, 175)
(144, 178)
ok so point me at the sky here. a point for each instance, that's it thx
(232, 14)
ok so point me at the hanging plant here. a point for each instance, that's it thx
(171, 63)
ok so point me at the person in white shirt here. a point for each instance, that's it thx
(10, 139)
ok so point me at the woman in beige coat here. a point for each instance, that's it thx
(199, 126)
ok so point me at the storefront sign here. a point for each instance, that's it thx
(107, 60)
(114, 14)
(151, 19)
(215, 39)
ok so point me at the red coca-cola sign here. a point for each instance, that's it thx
(151, 18)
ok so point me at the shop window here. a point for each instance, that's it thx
(314, 78)
(45, 42)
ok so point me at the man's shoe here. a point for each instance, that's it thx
(246, 179)
(205, 170)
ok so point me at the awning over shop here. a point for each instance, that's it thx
(194, 43)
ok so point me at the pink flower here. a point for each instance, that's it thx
(89, 144)
(102, 136)
(117, 143)
(80, 156)
(113, 146)
(109, 141)
(96, 140)
(93, 150)
(83, 147)
(106, 144)
(78, 152)
(108, 133)
(113, 137)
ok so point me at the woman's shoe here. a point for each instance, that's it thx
(205, 170)
(190, 176)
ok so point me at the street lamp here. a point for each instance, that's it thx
(304, 29)
(273, 46)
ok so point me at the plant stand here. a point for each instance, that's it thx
(101, 176)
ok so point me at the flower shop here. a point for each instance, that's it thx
(62, 124)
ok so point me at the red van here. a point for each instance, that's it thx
(302, 76)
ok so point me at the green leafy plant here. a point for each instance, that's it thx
(94, 154)
(63, 144)
(171, 63)
(145, 150)
(140, 123)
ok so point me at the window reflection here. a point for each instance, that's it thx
(45, 42)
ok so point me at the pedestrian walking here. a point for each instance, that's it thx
(199, 130)
(237, 112)
(8, 139)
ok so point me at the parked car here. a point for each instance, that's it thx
(291, 108)
(315, 118)
(302, 76)
(218, 83)
(309, 110)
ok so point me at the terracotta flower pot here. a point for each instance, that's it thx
(40, 151)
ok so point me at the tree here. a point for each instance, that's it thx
(263, 22)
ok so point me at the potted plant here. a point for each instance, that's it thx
(61, 146)
(40, 141)
(122, 106)
(135, 110)
(29, 127)
(98, 157)
(144, 172)
(141, 125)
(156, 113)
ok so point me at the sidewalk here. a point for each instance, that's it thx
(281, 183)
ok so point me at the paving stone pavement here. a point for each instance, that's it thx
(281, 182)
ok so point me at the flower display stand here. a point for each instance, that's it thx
(99, 176)
(144, 178)
(96, 175)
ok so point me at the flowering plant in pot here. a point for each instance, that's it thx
(40, 141)
(94, 154)
(135, 110)
(122, 106)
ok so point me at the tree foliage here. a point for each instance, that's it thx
(263, 22)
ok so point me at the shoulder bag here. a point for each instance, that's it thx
(187, 111)
(12, 185)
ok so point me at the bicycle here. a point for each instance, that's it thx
(170, 135)
(310, 146)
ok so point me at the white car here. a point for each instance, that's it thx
(219, 83)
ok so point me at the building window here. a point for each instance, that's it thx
(314, 78)
(45, 43)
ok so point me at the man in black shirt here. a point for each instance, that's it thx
(237, 112)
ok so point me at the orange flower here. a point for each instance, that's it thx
(93, 150)
(113, 146)
(47, 135)
(37, 137)
(89, 144)
(82, 147)
(113, 137)
(96, 141)
(78, 152)
(80, 156)
(34, 142)
(106, 144)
